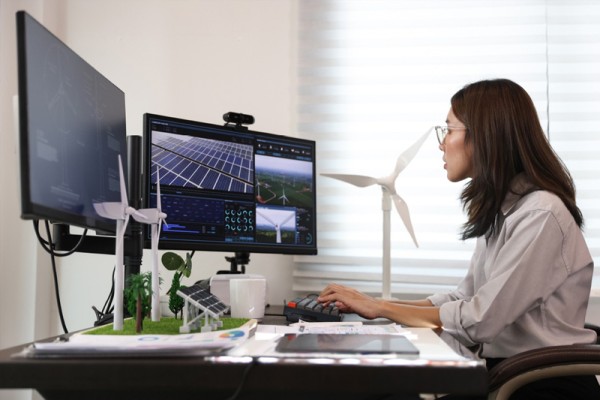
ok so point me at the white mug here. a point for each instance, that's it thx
(247, 297)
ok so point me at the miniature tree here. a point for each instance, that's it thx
(138, 294)
(174, 262)
(176, 302)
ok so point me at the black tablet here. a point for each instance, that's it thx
(346, 343)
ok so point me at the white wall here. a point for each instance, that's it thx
(194, 59)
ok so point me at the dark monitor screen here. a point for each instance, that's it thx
(72, 129)
(226, 189)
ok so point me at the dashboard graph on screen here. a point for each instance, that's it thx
(231, 190)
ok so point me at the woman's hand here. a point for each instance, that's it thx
(350, 300)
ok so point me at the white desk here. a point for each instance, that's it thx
(253, 367)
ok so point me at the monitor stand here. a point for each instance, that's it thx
(240, 259)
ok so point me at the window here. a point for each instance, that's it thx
(375, 75)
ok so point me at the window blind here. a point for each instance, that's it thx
(574, 105)
(375, 75)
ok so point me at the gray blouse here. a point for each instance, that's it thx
(528, 286)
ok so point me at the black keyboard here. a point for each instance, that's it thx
(310, 310)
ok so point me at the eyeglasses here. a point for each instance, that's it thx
(442, 131)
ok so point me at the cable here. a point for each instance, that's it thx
(105, 316)
(108, 304)
(56, 290)
(48, 246)
(238, 390)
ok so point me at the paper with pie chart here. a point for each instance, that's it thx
(193, 344)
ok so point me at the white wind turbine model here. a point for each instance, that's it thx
(120, 212)
(388, 188)
(154, 217)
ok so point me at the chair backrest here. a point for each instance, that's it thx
(547, 362)
(596, 329)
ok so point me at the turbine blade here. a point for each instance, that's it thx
(146, 215)
(402, 209)
(122, 184)
(356, 180)
(110, 210)
(263, 215)
(406, 157)
(136, 213)
(102, 210)
(155, 232)
(125, 222)
(158, 206)
(288, 218)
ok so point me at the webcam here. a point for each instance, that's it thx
(238, 119)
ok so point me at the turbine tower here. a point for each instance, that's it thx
(120, 212)
(155, 218)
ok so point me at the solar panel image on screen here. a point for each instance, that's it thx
(202, 163)
(227, 188)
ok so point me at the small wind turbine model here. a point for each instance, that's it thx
(388, 188)
(154, 217)
(120, 212)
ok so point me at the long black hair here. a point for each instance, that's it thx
(507, 139)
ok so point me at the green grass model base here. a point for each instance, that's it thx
(166, 326)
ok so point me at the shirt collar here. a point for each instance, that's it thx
(520, 186)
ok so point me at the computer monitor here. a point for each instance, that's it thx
(230, 189)
(72, 129)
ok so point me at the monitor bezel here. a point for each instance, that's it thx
(222, 246)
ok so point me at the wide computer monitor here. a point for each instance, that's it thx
(229, 189)
(72, 129)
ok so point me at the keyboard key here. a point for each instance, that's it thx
(311, 305)
(303, 303)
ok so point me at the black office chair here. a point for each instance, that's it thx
(530, 366)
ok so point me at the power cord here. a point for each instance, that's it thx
(238, 390)
(48, 245)
(102, 317)
(106, 315)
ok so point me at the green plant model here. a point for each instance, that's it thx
(174, 262)
(138, 294)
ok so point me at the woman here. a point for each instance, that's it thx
(529, 279)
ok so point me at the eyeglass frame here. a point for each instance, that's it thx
(442, 130)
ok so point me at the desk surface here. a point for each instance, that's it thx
(437, 370)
